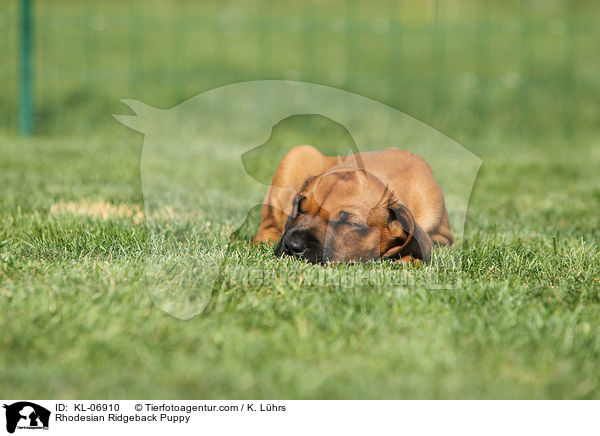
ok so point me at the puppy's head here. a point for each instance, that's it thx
(348, 215)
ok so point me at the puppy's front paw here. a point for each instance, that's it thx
(410, 260)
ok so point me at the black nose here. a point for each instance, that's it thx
(294, 245)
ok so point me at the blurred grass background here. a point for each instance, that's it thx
(526, 67)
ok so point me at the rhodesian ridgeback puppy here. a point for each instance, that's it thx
(381, 204)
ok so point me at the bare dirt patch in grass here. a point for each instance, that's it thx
(98, 209)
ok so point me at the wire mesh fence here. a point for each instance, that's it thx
(465, 67)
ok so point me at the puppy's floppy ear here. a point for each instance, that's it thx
(408, 238)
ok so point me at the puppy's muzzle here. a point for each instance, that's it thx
(294, 245)
(300, 243)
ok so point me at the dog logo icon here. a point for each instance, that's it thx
(26, 415)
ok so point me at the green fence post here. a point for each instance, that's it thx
(25, 91)
(526, 62)
(437, 61)
(395, 76)
(570, 84)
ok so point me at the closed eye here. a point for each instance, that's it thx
(297, 205)
(344, 218)
(360, 226)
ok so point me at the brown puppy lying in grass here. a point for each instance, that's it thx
(382, 204)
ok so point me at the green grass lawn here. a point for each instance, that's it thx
(77, 320)
(77, 315)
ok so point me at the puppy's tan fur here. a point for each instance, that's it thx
(367, 186)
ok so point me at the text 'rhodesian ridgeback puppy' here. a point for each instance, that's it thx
(380, 204)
